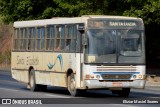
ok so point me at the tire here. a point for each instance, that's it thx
(72, 85)
(33, 86)
(122, 93)
(42, 87)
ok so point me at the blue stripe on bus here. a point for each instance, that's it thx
(60, 58)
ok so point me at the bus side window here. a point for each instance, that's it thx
(74, 36)
(71, 38)
(58, 32)
(32, 37)
(60, 39)
(78, 42)
(50, 38)
(24, 38)
(69, 31)
(16, 36)
(68, 44)
(21, 38)
(40, 40)
(63, 38)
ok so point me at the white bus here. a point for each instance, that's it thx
(81, 53)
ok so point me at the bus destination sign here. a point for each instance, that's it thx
(115, 23)
(118, 24)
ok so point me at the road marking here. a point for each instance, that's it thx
(154, 97)
(51, 95)
(6, 89)
(124, 105)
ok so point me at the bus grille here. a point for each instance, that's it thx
(116, 76)
(116, 68)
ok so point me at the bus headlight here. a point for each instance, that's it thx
(144, 77)
(140, 76)
(134, 76)
(98, 77)
(88, 76)
(92, 76)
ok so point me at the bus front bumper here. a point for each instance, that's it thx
(96, 84)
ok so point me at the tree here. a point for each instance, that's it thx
(148, 10)
(14, 10)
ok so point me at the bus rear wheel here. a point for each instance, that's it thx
(42, 87)
(32, 82)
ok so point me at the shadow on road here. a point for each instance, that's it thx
(6, 81)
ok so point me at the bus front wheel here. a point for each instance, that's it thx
(122, 93)
(72, 85)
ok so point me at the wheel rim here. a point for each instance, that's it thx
(72, 84)
(31, 81)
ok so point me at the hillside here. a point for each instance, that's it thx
(5, 44)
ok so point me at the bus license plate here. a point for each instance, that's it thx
(117, 84)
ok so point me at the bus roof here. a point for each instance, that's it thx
(65, 20)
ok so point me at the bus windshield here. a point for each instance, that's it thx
(114, 46)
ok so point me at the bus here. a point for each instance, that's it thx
(80, 53)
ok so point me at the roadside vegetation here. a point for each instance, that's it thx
(5, 45)
(148, 10)
(5, 59)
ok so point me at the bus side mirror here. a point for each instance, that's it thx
(80, 28)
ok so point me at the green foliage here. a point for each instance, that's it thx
(148, 10)
(14, 10)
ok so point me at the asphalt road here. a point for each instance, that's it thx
(10, 88)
